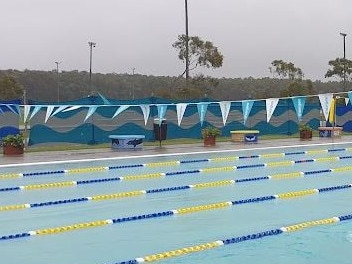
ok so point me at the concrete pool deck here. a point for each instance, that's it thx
(83, 154)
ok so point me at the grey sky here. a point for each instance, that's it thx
(139, 34)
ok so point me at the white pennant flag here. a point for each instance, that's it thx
(71, 108)
(26, 110)
(59, 109)
(49, 110)
(271, 104)
(120, 110)
(146, 112)
(180, 109)
(90, 112)
(225, 110)
(35, 111)
(346, 100)
(325, 102)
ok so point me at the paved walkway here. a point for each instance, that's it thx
(46, 156)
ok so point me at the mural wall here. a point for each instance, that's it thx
(91, 120)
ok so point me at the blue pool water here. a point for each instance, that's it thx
(128, 240)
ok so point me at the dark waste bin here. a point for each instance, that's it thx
(160, 131)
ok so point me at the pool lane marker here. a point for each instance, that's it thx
(167, 163)
(162, 174)
(185, 210)
(234, 240)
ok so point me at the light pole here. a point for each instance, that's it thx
(91, 46)
(133, 83)
(187, 41)
(344, 60)
(58, 80)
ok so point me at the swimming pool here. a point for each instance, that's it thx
(219, 207)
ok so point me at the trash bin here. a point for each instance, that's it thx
(160, 131)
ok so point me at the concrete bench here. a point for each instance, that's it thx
(330, 131)
(127, 141)
(247, 136)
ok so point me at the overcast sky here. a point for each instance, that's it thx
(139, 34)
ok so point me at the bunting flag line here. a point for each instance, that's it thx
(59, 109)
(26, 110)
(180, 109)
(225, 110)
(271, 104)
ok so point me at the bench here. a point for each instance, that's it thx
(127, 141)
(247, 136)
(330, 131)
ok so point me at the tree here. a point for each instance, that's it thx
(340, 69)
(200, 53)
(10, 88)
(286, 69)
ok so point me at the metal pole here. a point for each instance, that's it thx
(133, 83)
(91, 46)
(187, 40)
(344, 60)
(58, 80)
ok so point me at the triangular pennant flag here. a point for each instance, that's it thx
(59, 109)
(271, 104)
(225, 110)
(246, 109)
(120, 109)
(350, 96)
(90, 112)
(14, 109)
(35, 111)
(26, 110)
(299, 103)
(161, 112)
(180, 109)
(346, 100)
(146, 112)
(202, 110)
(106, 101)
(71, 108)
(49, 110)
(325, 102)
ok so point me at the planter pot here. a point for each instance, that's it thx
(11, 150)
(209, 141)
(305, 134)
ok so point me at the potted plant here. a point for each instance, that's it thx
(209, 135)
(13, 144)
(305, 132)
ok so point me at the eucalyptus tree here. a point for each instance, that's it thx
(10, 88)
(341, 69)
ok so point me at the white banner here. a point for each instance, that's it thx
(271, 104)
(180, 109)
(146, 112)
(225, 110)
(325, 102)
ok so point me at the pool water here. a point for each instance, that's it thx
(128, 240)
